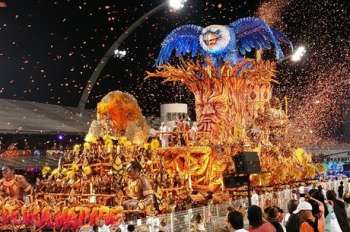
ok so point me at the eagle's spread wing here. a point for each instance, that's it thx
(254, 33)
(184, 40)
(282, 37)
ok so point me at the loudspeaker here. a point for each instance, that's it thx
(346, 167)
(247, 163)
(234, 181)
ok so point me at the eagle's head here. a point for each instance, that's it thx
(215, 38)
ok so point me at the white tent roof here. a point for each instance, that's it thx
(32, 117)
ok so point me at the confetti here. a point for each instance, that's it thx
(50, 49)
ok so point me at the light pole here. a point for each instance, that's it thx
(173, 4)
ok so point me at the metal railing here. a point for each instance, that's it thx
(214, 216)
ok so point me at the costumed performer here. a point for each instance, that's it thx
(14, 186)
(277, 121)
(164, 134)
(139, 191)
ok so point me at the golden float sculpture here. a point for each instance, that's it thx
(235, 108)
(226, 100)
(235, 112)
(118, 114)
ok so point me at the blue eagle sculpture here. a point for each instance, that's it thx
(222, 43)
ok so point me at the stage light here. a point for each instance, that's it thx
(298, 54)
(177, 4)
(119, 53)
(60, 137)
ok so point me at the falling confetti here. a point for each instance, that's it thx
(320, 112)
(68, 39)
(271, 11)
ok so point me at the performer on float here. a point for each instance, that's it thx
(139, 191)
(276, 113)
(182, 130)
(277, 120)
(14, 186)
(259, 133)
(164, 135)
(193, 132)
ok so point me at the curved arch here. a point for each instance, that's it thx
(93, 78)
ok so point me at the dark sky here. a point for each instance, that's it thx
(48, 49)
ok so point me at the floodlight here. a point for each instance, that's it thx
(298, 54)
(119, 53)
(177, 4)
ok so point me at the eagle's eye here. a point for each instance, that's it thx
(217, 32)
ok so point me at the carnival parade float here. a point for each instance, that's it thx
(120, 171)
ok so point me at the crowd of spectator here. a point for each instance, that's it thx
(316, 211)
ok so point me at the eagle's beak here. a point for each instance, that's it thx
(210, 39)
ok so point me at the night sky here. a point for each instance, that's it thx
(48, 49)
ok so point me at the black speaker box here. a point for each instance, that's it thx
(346, 167)
(247, 163)
(234, 181)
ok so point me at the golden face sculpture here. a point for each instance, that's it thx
(197, 162)
(211, 110)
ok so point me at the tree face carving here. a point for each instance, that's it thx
(211, 111)
(227, 99)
